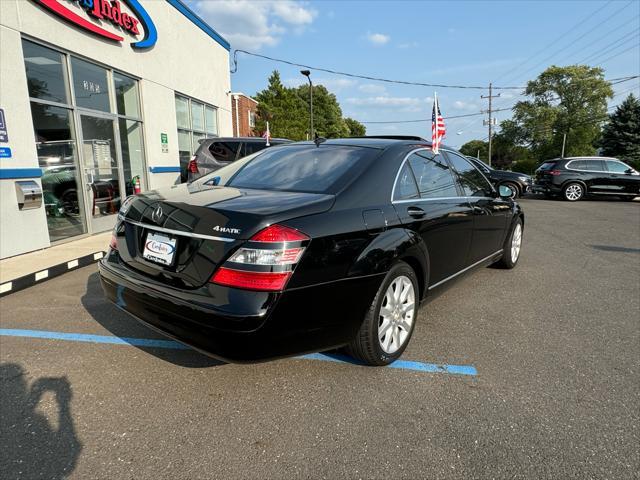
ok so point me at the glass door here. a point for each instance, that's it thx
(101, 170)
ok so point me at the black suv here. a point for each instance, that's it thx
(215, 153)
(518, 183)
(575, 177)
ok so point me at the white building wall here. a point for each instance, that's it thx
(185, 60)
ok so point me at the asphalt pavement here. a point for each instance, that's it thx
(553, 348)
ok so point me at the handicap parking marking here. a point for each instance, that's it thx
(468, 370)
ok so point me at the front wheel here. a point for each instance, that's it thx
(512, 246)
(388, 325)
(573, 192)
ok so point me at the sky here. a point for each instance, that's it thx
(467, 43)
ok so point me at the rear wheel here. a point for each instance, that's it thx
(512, 246)
(388, 325)
(573, 192)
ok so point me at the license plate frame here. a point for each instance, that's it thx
(160, 248)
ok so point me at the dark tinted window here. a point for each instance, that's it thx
(547, 166)
(405, 187)
(253, 147)
(433, 174)
(302, 168)
(594, 165)
(472, 181)
(225, 151)
(577, 165)
(45, 73)
(616, 167)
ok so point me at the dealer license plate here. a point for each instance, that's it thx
(159, 248)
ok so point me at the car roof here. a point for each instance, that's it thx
(245, 139)
(379, 142)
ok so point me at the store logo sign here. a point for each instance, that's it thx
(110, 12)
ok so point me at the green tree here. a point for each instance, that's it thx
(507, 147)
(621, 135)
(471, 148)
(285, 111)
(563, 100)
(356, 129)
(327, 114)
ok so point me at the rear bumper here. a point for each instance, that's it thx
(546, 188)
(303, 320)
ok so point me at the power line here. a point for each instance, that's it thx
(364, 77)
(625, 39)
(429, 119)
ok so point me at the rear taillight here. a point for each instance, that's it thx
(193, 165)
(113, 243)
(266, 263)
(554, 172)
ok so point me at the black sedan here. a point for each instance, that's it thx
(518, 183)
(308, 247)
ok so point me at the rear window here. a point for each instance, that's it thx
(225, 151)
(303, 168)
(547, 166)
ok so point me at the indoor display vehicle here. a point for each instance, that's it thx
(215, 153)
(308, 247)
(573, 178)
(519, 183)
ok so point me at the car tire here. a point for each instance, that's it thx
(512, 246)
(389, 311)
(514, 188)
(573, 191)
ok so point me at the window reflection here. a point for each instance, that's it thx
(90, 85)
(45, 73)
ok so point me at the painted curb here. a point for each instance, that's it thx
(40, 276)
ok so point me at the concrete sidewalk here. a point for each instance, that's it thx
(15, 267)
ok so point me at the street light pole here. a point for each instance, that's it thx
(307, 74)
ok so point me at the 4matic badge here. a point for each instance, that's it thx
(220, 229)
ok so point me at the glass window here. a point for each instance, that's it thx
(132, 154)
(405, 187)
(46, 76)
(577, 165)
(211, 120)
(252, 119)
(90, 85)
(433, 175)
(56, 146)
(617, 167)
(253, 147)
(547, 166)
(197, 116)
(302, 168)
(594, 165)
(197, 137)
(126, 89)
(473, 183)
(182, 112)
(225, 151)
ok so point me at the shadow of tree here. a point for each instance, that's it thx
(125, 326)
(31, 447)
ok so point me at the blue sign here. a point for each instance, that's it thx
(5, 152)
(4, 136)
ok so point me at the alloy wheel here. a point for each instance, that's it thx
(573, 192)
(396, 314)
(516, 243)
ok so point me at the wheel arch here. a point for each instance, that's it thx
(573, 180)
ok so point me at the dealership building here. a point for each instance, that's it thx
(99, 99)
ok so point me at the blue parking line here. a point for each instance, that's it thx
(171, 344)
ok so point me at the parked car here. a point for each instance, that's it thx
(518, 183)
(575, 177)
(215, 153)
(308, 247)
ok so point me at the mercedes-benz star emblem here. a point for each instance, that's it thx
(156, 216)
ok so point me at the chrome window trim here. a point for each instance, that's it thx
(395, 180)
(176, 232)
(568, 165)
(451, 277)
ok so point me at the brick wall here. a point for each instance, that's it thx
(241, 116)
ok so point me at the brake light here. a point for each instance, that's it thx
(193, 165)
(113, 243)
(252, 267)
(554, 172)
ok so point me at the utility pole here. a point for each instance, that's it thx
(492, 121)
(564, 142)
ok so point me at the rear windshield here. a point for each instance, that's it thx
(547, 166)
(303, 168)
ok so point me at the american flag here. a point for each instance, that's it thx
(267, 134)
(437, 126)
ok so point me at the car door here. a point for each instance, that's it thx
(622, 178)
(428, 201)
(490, 212)
(595, 176)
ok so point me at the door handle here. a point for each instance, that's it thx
(416, 212)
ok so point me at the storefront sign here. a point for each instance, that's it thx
(4, 136)
(109, 12)
(5, 152)
(164, 141)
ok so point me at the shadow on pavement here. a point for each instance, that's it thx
(614, 248)
(31, 446)
(125, 326)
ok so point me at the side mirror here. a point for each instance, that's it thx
(505, 192)
(630, 171)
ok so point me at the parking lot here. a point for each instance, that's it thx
(544, 380)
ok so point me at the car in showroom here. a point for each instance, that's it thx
(308, 247)
(215, 153)
(573, 178)
(518, 183)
